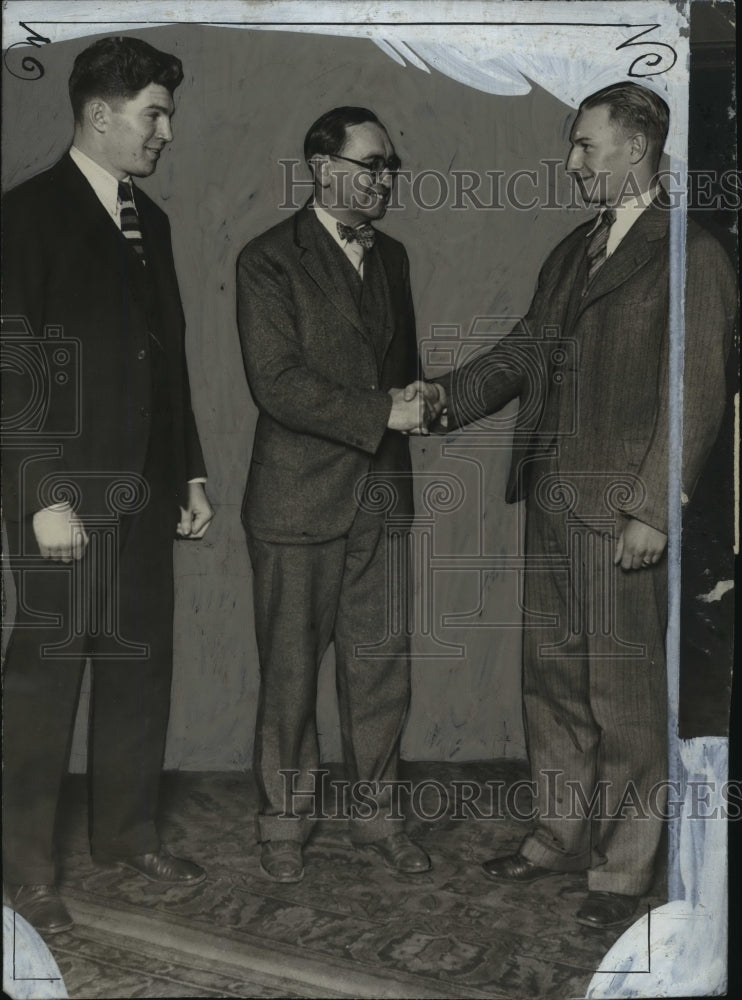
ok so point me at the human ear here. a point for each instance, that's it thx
(98, 114)
(637, 147)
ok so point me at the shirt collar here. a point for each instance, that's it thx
(105, 185)
(629, 206)
(331, 225)
(626, 215)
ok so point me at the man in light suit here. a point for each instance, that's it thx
(93, 484)
(590, 364)
(327, 329)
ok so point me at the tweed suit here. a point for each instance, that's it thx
(591, 449)
(321, 351)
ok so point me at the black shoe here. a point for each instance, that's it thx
(516, 868)
(400, 854)
(164, 869)
(41, 906)
(606, 909)
(281, 860)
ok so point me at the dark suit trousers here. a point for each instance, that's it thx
(130, 696)
(306, 596)
(594, 694)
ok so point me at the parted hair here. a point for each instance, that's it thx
(117, 68)
(327, 135)
(635, 109)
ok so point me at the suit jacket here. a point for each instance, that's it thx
(596, 368)
(69, 275)
(320, 378)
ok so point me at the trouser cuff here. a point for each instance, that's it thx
(293, 828)
(367, 831)
(541, 854)
(599, 880)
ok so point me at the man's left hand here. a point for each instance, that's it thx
(639, 545)
(196, 518)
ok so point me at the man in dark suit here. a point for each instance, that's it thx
(590, 364)
(98, 455)
(327, 329)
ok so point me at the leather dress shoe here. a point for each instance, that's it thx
(164, 869)
(400, 854)
(42, 907)
(606, 909)
(516, 868)
(281, 860)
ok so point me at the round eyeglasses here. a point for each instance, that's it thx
(376, 167)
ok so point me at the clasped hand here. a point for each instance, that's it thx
(416, 407)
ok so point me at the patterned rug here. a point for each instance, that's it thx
(351, 928)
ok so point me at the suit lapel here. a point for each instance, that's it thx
(96, 227)
(92, 221)
(632, 253)
(322, 260)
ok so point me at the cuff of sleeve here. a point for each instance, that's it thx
(376, 422)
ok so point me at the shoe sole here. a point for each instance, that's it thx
(623, 922)
(124, 866)
(57, 929)
(520, 881)
(285, 879)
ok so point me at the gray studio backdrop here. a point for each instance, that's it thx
(246, 102)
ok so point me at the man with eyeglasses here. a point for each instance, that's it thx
(328, 331)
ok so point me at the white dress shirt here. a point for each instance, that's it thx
(105, 185)
(626, 215)
(352, 250)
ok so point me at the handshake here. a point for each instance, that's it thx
(416, 407)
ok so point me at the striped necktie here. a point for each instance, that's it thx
(597, 243)
(130, 220)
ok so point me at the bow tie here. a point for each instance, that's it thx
(363, 235)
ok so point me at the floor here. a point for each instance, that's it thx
(351, 928)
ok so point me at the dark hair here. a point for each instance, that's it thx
(119, 67)
(635, 109)
(327, 135)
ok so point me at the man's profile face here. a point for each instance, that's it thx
(359, 195)
(600, 157)
(138, 130)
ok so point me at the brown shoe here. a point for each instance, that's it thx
(164, 869)
(606, 909)
(516, 868)
(281, 860)
(400, 854)
(42, 907)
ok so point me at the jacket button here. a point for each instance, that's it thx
(144, 411)
(141, 355)
(373, 386)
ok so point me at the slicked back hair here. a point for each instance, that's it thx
(117, 68)
(635, 109)
(328, 134)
